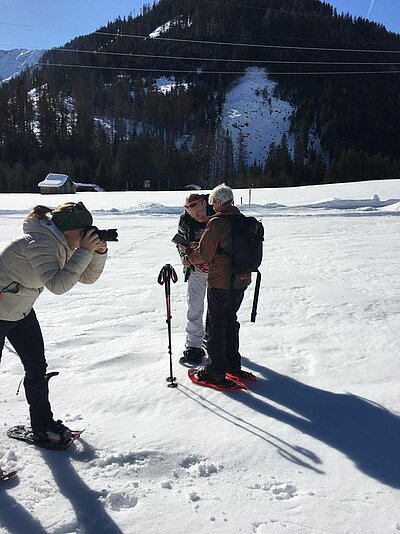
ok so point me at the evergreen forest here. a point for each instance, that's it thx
(91, 109)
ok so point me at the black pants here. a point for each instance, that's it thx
(26, 338)
(223, 340)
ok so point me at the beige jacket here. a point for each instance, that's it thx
(41, 258)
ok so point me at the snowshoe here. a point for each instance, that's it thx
(6, 476)
(198, 376)
(241, 375)
(26, 434)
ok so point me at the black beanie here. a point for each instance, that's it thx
(73, 218)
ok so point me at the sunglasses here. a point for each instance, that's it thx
(192, 204)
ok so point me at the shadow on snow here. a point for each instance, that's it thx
(366, 432)
(14, 518)
(298, 455)
(91, 516)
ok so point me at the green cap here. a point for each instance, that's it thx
(73, 218)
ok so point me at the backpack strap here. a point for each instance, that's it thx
(229, 217)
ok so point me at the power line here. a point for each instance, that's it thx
(134, 55)
(147, 25)
(226, 60)
(39, 27)
(218, 43)
(252, 45)
(226, 4)
(34, 12)
(266, 9)
(201, 71)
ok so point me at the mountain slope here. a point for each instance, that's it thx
(13, 62)
(342, 107)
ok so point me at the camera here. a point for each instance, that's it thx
(106, 235)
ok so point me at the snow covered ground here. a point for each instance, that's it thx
(313, 447)
(252, 108)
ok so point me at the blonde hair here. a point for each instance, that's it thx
(42, 212)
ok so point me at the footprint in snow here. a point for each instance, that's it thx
(120, 500)
(136, 458)
(280, 492)
(199, 467)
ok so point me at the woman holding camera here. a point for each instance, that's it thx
(58, 250)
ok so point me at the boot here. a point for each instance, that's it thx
(193, 355)
(55, 432)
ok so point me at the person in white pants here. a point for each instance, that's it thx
(191, 227)
(196, 292)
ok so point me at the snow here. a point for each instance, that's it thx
(13, 62)
(312, 447)
(53, 180)
(89, 186)
(179, 22)
(166, 85)
(252, 107)
(161, 29)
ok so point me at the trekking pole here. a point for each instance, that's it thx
(255, 298)
(167, 274)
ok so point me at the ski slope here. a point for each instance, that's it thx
(313, 447)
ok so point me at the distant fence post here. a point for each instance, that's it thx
(250, 198)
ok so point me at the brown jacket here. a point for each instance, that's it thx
(216, 236)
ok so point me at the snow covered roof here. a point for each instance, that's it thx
(54, 180)
(95, 187)
(192, 186)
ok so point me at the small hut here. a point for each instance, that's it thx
(192, 186)
(56, 184)
(88, 187)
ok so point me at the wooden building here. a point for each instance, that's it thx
(56, 184)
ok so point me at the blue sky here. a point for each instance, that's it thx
(49, 23)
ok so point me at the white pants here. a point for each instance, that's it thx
(196, 292)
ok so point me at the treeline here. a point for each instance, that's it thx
(110, 125)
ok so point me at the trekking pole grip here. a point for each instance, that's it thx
(167, 273)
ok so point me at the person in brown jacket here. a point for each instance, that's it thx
(224, 293)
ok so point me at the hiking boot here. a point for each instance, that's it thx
(243, 375)
(220, 381)
(55, 432)
(193, 355)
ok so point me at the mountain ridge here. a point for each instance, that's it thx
(16, 60)
(111, 76)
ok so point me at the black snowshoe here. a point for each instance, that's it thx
(192, 356)
(6, 476)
